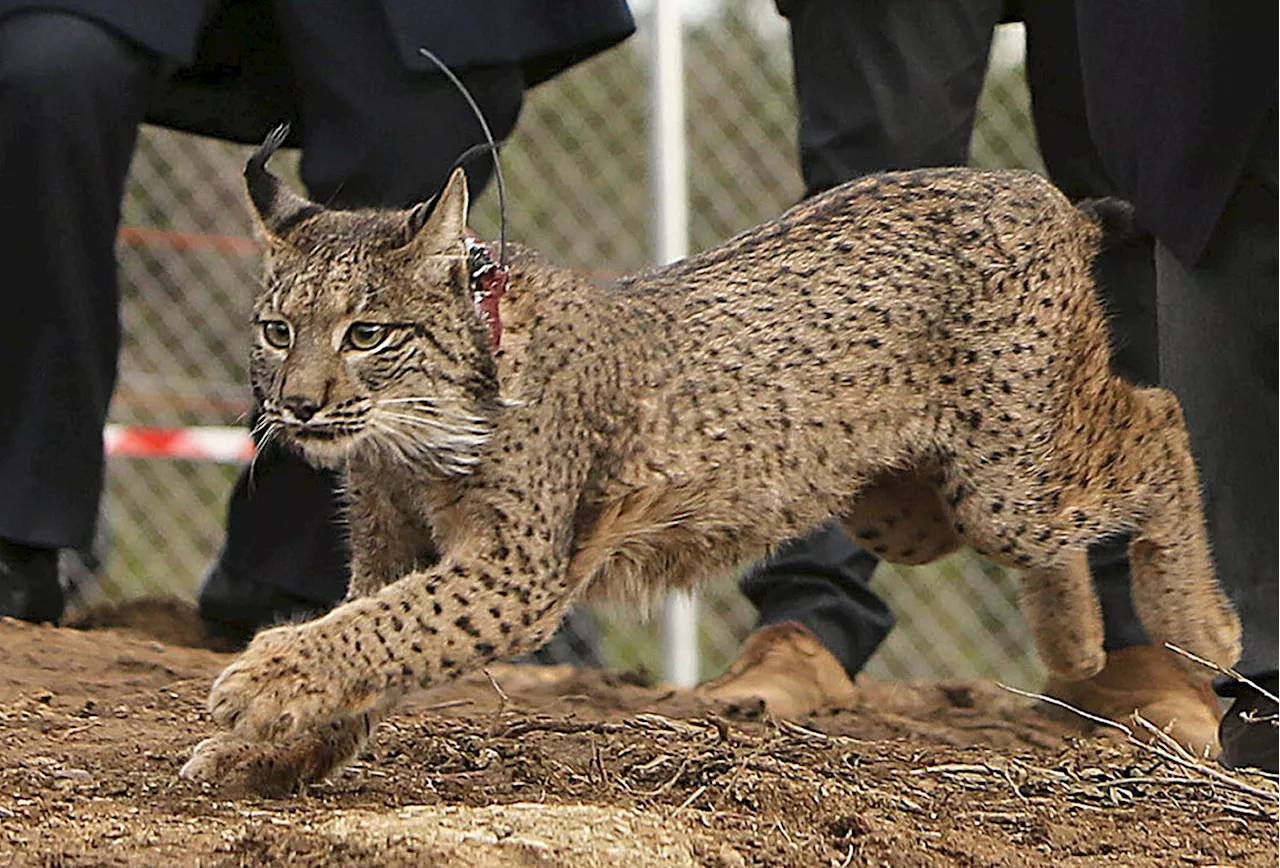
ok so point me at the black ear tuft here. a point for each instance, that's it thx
(262, 184)
(418, 215)
(279, 209)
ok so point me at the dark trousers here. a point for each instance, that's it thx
(71, 98)
(1218, 329)
(72, 94)
(887, 85)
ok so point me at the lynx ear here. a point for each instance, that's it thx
(440, 225)
(277, 208)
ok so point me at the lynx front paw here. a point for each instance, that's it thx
(240, 767)
(287, 681)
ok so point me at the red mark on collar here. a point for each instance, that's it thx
(488, 286)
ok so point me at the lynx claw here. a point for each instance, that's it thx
(285, 684)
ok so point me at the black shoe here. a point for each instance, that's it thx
(1248, 731)
(235, 609)
(29, 587)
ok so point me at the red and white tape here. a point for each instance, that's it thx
(212, 443)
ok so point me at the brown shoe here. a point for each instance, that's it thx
(1154, 683)
(785, 667)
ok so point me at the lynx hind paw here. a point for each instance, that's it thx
(1062, 609)
(214, 757)
(1186, 609)
(1072, 663)
(1216, 638)
(1213, 634)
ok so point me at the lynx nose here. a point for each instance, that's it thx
(302, 407)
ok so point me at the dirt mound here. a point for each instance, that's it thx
(167, 620)
(583, 768)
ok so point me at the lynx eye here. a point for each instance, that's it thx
(276, 333)
(365, 335)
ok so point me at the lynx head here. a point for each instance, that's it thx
(366, 336)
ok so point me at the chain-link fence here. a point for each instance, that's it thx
(577, 183)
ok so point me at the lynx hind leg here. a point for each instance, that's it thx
(1174, 589)
(1062, 610)
(900, 517)
(1001, 517)
(239, 766)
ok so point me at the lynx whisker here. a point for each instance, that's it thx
(433, 404)
(410, 450)
(263, 432)
(452, 449)
(452, 424)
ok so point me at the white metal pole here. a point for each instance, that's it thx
(671, 237)
(671, 211)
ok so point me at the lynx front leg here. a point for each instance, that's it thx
(387, 539)
(1062, 610)
(1174, 589)
(500, 589)
(386, 543)
(361, 657)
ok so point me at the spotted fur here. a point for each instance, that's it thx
(919, 355)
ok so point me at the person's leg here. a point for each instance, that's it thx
(72, 94)
(818, 623)
(880, 85)
(820, 581)
(1218, 339)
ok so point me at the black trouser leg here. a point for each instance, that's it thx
(1126, 285)
(71, 97)
(377, 134)
(882, 84)
(820, 581)
(1218, 354)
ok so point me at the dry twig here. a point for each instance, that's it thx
(502, 703)
(693, 797)
(1230, 673)
(564, 727)
(1180, 756)
(671, 782)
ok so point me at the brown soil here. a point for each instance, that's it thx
(584, 768)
